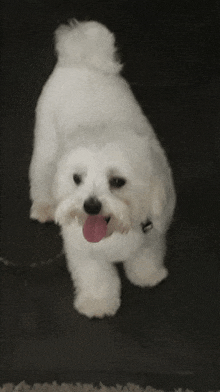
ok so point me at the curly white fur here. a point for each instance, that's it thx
(89, 124)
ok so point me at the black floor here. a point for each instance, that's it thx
(167, 336)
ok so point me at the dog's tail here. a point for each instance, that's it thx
(87, 44)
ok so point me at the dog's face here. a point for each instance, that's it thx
(109, 181)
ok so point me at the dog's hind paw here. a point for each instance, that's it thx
(42, 212)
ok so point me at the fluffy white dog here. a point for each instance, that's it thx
(99, 171)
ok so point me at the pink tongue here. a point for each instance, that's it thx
(95, 228)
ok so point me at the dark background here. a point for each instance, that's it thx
(167, 336)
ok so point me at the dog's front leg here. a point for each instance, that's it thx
(97, 286)
(146, 268)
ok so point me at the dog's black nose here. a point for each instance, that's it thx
(92, 206)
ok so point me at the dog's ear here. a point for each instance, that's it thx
(162, 194)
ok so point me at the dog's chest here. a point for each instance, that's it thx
(117, 247)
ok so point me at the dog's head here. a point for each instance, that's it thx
(114, 180)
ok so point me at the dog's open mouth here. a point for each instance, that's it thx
(95, 227)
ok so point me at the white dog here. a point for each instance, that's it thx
(99, 171)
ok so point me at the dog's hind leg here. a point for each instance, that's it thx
(42, 168)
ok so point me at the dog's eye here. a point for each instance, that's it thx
(117, 182)
(77, 179)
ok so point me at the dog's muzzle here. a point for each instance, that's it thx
(92, 206)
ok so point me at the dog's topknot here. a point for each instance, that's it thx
(87, 43)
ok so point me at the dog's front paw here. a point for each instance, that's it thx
(156, 277)
(145, 273)
(42, 212)
(96, 307)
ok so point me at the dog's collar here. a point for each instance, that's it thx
(146, 226)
